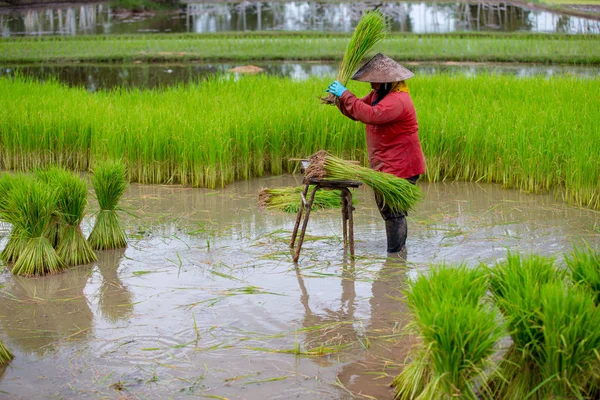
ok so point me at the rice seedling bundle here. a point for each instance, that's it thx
(515, 285)
(569, 362)
(584, 269)
(71, 201)
(371, 29)
(16, 241)
(458, 334)
(5, 354)
(109, 183)
(32, 203)
(398, 194)
(288, 199)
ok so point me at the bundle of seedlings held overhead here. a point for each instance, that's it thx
(371, 29)
(16, 240)
(32, 204)
(71, 201)
(398, 194)
(458, 334)
(288, 199)
(109, 183)
(553, 327)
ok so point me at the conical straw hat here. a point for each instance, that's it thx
(382, 69)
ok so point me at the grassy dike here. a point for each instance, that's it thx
(256, 46)
(534, 134)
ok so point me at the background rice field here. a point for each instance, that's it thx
(534, 134)
(550, 48)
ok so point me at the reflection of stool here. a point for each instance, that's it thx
(347, 221)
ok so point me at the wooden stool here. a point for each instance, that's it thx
(305, 206)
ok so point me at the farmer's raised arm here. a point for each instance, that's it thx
(387, 110)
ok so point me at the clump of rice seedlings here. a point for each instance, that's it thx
(584, 269)
(371, 29)
(5, 354)
(288, 199)
(515, 285)
(398, 194)
(109, 183)
(569, 356)
(71, 201)
(32, 205)
(458, 334)
(16, 241)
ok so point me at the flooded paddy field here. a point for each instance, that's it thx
(206, 300)
(150, 76)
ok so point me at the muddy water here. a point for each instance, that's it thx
(206, 301)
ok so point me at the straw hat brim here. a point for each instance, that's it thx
(382, 69)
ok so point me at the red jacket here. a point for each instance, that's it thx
(392, 132)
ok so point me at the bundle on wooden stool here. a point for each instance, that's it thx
(371, 28)
(288, 199)
(398, 194)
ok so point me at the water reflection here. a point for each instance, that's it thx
(115, 299)
(41, 312)
(419, 17)
(149, 76)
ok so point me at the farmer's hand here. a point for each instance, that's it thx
(337, 89)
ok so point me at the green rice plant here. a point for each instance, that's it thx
(288, 199)
(584, 269)
(32, 203)
(163, 139)
(398, 194)
(71, 201)
(457, 332)
(543, 48)
(515, 285)
(5, 354)
(16, 241)
(109, 183)
(370, 30)
(571, 347)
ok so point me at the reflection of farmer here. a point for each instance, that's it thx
(392, 131)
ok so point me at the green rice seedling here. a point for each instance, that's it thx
(163, 139)
(5, 354)
(515, 285)
(288, 199)
(32, 203)
(458, 333)
(398, 194)
(16, 241)
(584, 269)
(571, 346)
(71, 201)
(370, 30)
(109, 183)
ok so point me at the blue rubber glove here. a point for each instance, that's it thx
(337, 89)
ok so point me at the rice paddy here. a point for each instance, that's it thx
(255, 46)
(496, 298)
(521, 133)
(125, 321)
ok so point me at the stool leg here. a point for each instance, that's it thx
(299, 216)
(350, 222)
(304, 223)
(344, 217)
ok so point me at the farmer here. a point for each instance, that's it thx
(392, 131)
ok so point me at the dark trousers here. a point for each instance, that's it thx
(395, 222)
